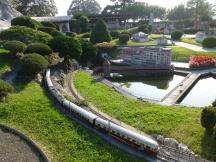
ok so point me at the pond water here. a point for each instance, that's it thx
(154, 88)
(203, 93)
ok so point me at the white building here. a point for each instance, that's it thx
(147, 56)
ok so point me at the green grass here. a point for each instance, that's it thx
(156, 36)
(184, 54)
(180, 123)
(133, 43)
(32, 112)
(5, 61)
(191, 41)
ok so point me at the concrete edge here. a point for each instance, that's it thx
(28, 140)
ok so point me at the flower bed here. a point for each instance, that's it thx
(202, 61)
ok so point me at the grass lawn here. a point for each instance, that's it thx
(32, 112)
(180, 123)
(133, 43)
(5, 61)
(184, 54)
(191, 41)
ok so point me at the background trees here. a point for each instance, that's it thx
(35, 7)
(86, 7)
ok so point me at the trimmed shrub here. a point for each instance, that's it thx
(25, 35)
(143, 28)
(15, 47)
(176, 35)
(25, 21)
(67, 47)
(209, 42)
(115, 34)
(89, 52)
(39, 48)
(5, 88)
(32, 64)
(71, 34)
(106, 47)
(124, 38)
(86, 35)
(49, 24)
(125, 32)
(100, 33)
(52, 31)
(208, 119)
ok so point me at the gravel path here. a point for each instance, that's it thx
(14, 149)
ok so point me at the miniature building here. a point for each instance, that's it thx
(147, 56)
(140, 37)
(200, 36)
(163, 27)
(162, 41)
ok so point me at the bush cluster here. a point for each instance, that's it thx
(15, 47)
(52, 31)
(124, 38)
(25, 21)
(32, 64)
(71, 34)
(39, 48)
(49, 24)
(5, 88)
(176, 35)
(209, 42)
(25, 35)
(115, 34)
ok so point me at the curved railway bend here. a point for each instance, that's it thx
(165, 154)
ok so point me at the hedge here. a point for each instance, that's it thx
(176, 35)
(33, 64)
(15, 46)
(39, 48)
(25, 21)
(124, 38)
(25, 35)
(209, 42)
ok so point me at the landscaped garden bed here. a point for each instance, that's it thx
(202, 62)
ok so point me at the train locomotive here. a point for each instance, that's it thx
(136, 140)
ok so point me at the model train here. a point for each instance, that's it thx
(138, 141)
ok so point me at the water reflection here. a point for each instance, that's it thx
(203, 93)
(149, 87)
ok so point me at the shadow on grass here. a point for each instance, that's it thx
(208, 147)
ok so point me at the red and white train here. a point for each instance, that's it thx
(136, 140)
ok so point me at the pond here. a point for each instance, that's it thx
(154, 88)
(202, 94)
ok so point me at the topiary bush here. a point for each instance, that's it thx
(89, 52)
(124, 38)
(143, 28)
(32, 64)
(115, 34)
(25, 35)
(71, 34)
(52, 31)
(67, 47)
(5, 88)
(100, 33)
(49, 24)
(39, 48)
(25, 21)
(128, 33)
(106, 47)
(15, 47)
(208, 119)
(209, 42)
(176, 35)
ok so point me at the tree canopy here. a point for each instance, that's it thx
(35, 7)
(86, 7)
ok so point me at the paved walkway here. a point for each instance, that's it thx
(194, 47)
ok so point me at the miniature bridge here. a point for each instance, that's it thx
(181, 89)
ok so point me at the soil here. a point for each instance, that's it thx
(14, 149)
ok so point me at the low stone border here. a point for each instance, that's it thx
(29, 141)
